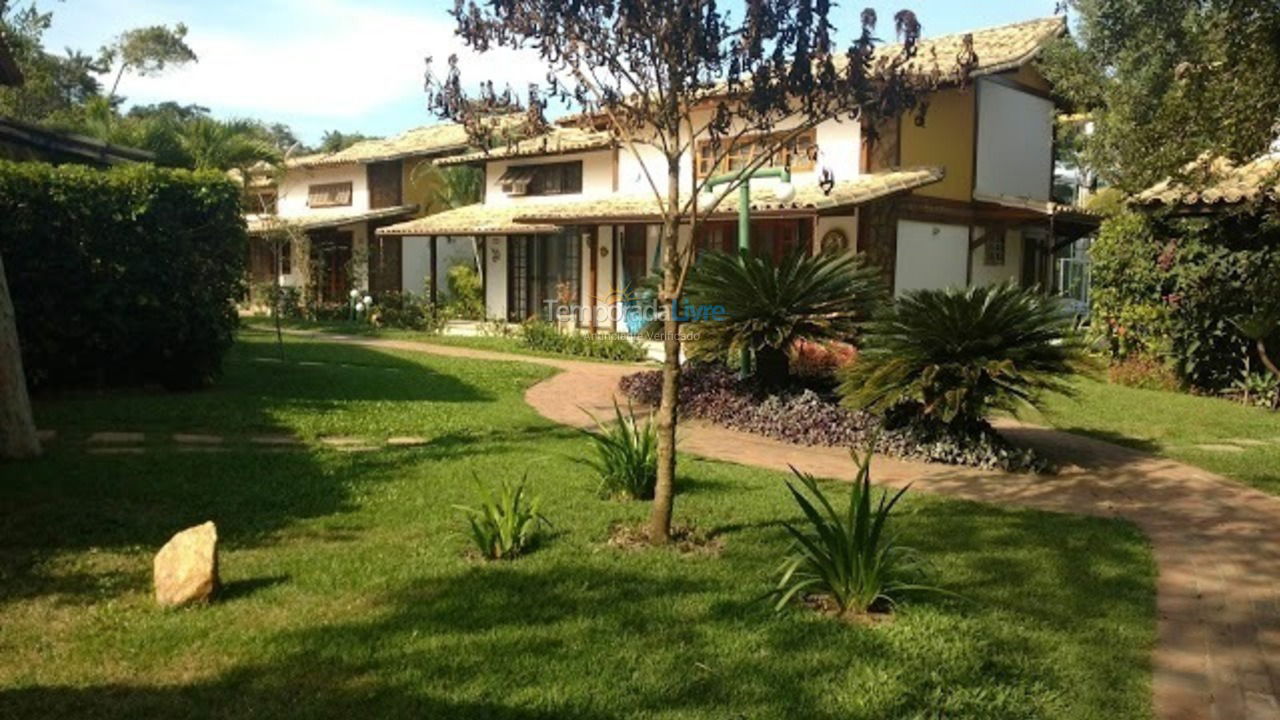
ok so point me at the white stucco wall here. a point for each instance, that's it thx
(293, 192)
(930, 256)
(495, 264)
(984, 274)
(1015, 142)
(597, 178)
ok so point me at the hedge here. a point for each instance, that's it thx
(124, 276)
(1174, 288)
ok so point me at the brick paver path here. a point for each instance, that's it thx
(1217, 543)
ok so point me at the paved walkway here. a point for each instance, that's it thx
(1217, 543)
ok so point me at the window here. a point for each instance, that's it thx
(550, 179)
(261, 203)
(800, 154)
(329, 195)
(994, 252)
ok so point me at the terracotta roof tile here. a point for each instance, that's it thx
(557, 141)
(1217, 181)
(477, 219)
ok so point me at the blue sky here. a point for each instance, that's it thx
(356, 65)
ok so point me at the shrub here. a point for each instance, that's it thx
(507, 524)
(713, 392)
(540, 335)
(1174, 286)
(123, 276)
(845, 557)
(953, 356)
(1141, 370)
(768, 307)
(406, 311)
(465, 288)
(821, 360)
(627, 455)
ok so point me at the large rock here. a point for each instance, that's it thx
(186, 568)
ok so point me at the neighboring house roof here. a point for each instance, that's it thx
(544, 216)
(477, 219)
(1212, 182)
(320, 219)
(436, 139)
(998, 49)
(1046, 208)
(809, 199)
(557, 141)
(10, 73)
(56, 146)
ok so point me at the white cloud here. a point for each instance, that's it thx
(334, 59)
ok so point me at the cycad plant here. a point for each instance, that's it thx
(767, 307)
(626, 455)
(953, 356)
(505, 524)
(846, 556)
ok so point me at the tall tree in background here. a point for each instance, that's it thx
(663, 75)
(335, 140)
(1167, 80)
(56, 86)
(147, 51)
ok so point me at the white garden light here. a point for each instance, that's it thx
(359, 307)
(368, 300)
(354, 293)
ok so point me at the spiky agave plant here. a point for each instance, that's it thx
(505, 524)
(846, 555)
(626, 455)
(767, 307)
(956, 355)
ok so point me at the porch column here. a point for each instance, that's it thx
(434, 283)
(593, 276)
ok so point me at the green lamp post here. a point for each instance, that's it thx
(784, 193)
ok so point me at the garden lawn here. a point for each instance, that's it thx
(1239, 442)
(349, 593)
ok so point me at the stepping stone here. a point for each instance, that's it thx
(407, 441)
(267, 359)
(1213, 447)
(356, 448)
(341, 441)
(201, 449)
(45, 436)
(117, 438)
(276, 440)
(116, 451)
(1248, 442)
(309, 363)
(197, 439)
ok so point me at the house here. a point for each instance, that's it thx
(568, 218)
(337, 201)
(1213, 185)
(21, 141)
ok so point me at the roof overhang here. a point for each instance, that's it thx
(479, 220)
(73, 147)
(262, 224)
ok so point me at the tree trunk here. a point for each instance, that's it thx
(664, 492)
(17, 428)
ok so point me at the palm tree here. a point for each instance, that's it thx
(225, 145)
(765, 307)
(955, 355)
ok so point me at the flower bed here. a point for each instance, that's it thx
(812, 417)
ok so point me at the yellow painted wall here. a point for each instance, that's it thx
(946, 139)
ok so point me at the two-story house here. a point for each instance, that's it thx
(339, 200)
(963, 198)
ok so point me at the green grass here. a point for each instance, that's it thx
(348, 592)
(1174, 425)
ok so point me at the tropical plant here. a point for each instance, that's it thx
(955, 355)
(225, 145)
(505, 524)
(627, 455)
(845, 556)
(750, 302)
(465, 289)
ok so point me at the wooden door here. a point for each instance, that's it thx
(331, 253)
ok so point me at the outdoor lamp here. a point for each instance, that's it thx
(708, 201)
(368, 300)
(359, 307)
(785, 192)
(354, 293)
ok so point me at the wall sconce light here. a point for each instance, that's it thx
(495, 254)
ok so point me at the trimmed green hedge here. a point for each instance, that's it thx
(124, 276)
